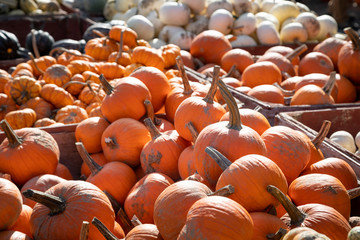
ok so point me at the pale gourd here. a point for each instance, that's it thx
(126, 15)
(123, 5)
(284, 10)
(146, 6)
(154, 19)
(344, 139)
(310, 22)
(109, 10)
(168, 31)
(357, 140)
(293, 32)
(218, 4)
(266, 5)
(142, 26)
(174, 13)
(221, 20)
(328, 27)
(196, 6)
(156, 43)
(182, 39)
(245, 24)
(242, 6)
(287, 21)
(197, 24)
(267, 33)
(242, 41)
(264, 16)
(302, 7)
(354, 233)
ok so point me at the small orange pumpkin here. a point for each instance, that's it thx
(71, 114)
(21, 118)
(148, 57)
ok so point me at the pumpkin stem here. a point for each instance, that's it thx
(84, 231)
(14, 140)
(354, 37)
(286, 93)
(89, 161)
(329, 85)
(278, 235)
(187, 88)
(297, 217)
(125, 221)
(111, 143)
(285, 75)
(56, 204)
(73, 82)
(58, 49)
(103, 229)
(93, 92)
(354, 193)
(209, 98)
(296, 52)
(106, 85)
(35, 64)
(233, 72)
(154, 132)
(115, 205)
(224, 191)
(150, 112)
(135, 221)
(121, 46)
(218, 157)
(234, 116)
(271, 210)
(324, 130)
(34, 44)
(193, 131)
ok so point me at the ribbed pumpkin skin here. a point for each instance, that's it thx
(349, 63)
(22, 224)
(322, 189)
(11, 203)
(84, 201)
(142, 196)
(288, 149)
(264, 224)
(250, 175)
(144, 232)
(180, 196)
(323, 219)
(217, 217)
(13, 235)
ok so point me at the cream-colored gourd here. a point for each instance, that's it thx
(267, 33)
(156, 43)
(146, 6)
(109, 9)
(123, 5)
(196, 6)
(218, 4)
(357, 140)
(264, 16)
(245, 24)
(310, 23)
(344, 139)
(266, 5)
(221, 20)
(142, 26)
(242, 6)
(284, 10)
(126, 15)
(154, 19)
(197, 24)
(174, 13)
(328, 27)
(293, 32)
(168, 31)
(182, 39)
(302, 7)
(242, 41)
(287, 21)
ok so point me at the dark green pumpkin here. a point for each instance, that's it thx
(43, 40)
(70, 44)
(9, 44)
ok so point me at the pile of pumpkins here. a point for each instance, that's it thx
(22, 7)
(245, 22)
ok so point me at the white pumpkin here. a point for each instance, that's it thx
(196, 6)
(328, 27)
(284, 9)
(287, 21)
(266, 5)
(146, 6)
(125, 16)
(245, 24)
(168, 31)
(293, 32)
(357, 140)
(218, 4)
(302, 7)
(154, 19)
(197, 24)
(344, 139)
(222, 21)
(142, 26)
(310, 22)
(267, 33)
(156, 43)
(182, 39)
(109, 10)
(242, 41)
(242, 6)
(264, 16)
(123, 5)
(174, 13)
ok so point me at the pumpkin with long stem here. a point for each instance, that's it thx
(27, 152)
(117, 178)
(99, 158)
(231, 138)
(129, 35)
(11, 203)
(161, 123)
(284, 50)
(186, 163)
(58, 206)
(267, 226)
(105, 231)
(321, 218)
(39, 65)
(91, 93)
(100, 48)
(161, 154)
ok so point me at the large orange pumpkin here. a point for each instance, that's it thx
(11, 203)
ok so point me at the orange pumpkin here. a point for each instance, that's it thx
(57, 96)
(161, 123)
(23, 69)
(63, 172)
(21, 118)
(267, 93)
(111, 70)
(238, 57)
(75, 85)
(39, 65)
(71, 114)
(80, 66)
(44, 122)
(259, 73)
(22, 224)
(129, 35)
(99, 158)
(57, 74)
(11, 203)
(100, 48)
(23, 88)
(330, 47)
(346, 90)
(315, 62)
(7, 104)
(186, 161)
(284, 50)
(169, 53)
(148, 57)
(4, 78)
(267, 226)
(145, 232)
(91, 93)
(42, 108)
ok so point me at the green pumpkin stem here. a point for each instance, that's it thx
(234, 116)
(106, 85)
(84, 231)
(150, 112)
(115, 205)
(354, 37)
(119, 55)
(324, 130)
(56, 204)
(34, 43)
(103, 229)
(224, 191)
(13, 138)
(154, 132)
(125, 221)
(187, 88)
(278, 235)
(296, 52)
(209, 98)
(329, 85)
(297, 217)
(193, 131)
(218, 157)
(88, 160)
(354, 192)
(135, 221)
